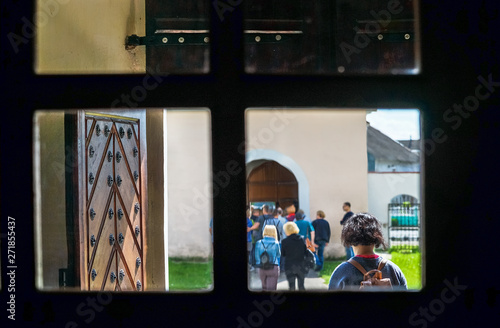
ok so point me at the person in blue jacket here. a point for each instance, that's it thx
(269, 244)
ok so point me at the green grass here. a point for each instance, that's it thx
(409, 263)
(328, 267)
(189, 274)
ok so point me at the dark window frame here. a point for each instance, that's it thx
(227, 91)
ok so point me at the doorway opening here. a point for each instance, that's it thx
(269, 181)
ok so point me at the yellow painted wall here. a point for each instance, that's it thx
(88, 36)
(330, 148)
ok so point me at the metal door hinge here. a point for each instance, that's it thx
(169, 38)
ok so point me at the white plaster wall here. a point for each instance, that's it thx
(329, 147)
(88, 36)
(189, 183)
(382, 187)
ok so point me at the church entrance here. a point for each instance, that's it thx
(271, 182)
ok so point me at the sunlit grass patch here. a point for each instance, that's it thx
(410, 264)
(189, 274)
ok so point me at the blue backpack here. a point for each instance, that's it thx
(265, 259)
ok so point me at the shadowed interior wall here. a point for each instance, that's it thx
(52, 223)
(155, 260)
(88, 36)
(189, 182)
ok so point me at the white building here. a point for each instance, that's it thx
(393, 179)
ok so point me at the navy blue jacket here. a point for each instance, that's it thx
(322, 230)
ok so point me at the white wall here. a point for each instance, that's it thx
(327, 146)
(189, 169)
(382, 187)
(388, 166)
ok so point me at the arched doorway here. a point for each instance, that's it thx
(270, 181)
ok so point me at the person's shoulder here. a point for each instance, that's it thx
(342, 269)
(270, 240)
(286, 241)
(391, 264)
(343, 265)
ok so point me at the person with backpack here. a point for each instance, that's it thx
(273, 219)
(267, 256)
(258, 224)
(256, 229)
(366, 270)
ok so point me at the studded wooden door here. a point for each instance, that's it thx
(114, 220)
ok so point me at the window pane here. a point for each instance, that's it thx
(331, 37)
(114, 196)
(121, 37)
(373, 166)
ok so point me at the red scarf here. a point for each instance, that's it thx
(370, 256)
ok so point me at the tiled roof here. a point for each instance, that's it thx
(383, 147)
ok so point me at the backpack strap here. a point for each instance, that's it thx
(263, 245)
(381, 264)
(277, 222)
(358, 266)
(362, 270)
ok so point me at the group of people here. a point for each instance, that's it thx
(284, 238)
(281, 241)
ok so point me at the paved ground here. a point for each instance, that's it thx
(311, 282)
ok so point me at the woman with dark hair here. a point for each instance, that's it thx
(363, 232)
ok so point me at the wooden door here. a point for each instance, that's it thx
(113, 221)
(271, 181)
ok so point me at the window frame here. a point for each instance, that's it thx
(227, 91)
